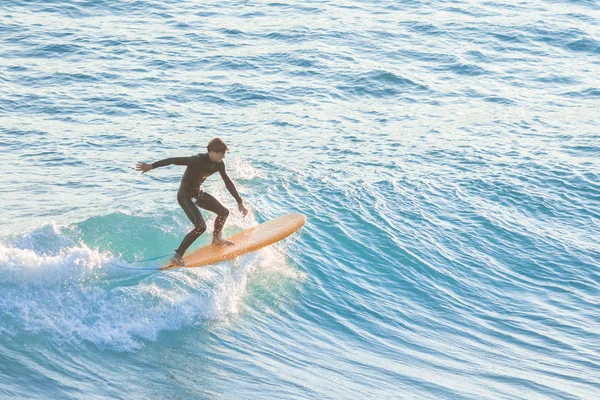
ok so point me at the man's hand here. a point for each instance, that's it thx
(243, 209)
(142, 166)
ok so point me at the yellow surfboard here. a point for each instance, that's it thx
(246, 241)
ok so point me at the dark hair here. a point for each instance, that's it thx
(217, 145)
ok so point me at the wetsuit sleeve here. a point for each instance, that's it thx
(229, 184)
(172, 161)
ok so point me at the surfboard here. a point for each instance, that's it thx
(245, 242)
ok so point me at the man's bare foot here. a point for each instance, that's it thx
(222, 242)
(177, 259)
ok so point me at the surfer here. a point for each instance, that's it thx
(200, 167)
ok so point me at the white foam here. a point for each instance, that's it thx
(242, 169)
(72, 294)
(46, 239)
(64, 298)
(26, 267)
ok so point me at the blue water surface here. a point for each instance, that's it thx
(446, 156)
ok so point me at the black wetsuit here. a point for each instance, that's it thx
(199, 167)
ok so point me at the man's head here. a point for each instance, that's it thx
(217, 149)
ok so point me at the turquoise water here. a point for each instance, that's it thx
(446, 155)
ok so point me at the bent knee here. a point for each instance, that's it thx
(224, 213)
(200, 227)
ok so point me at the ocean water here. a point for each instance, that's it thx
(446, 156)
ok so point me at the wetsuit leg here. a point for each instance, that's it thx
(194, 215)
(208, 202)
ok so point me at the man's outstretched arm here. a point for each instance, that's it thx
(144, 167)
